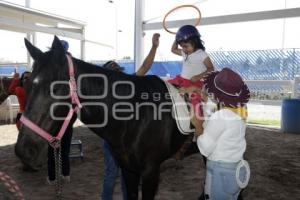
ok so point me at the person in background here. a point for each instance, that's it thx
(111, 168)
(65, 45)
(65, 148)
(223, 140)
(17, 88)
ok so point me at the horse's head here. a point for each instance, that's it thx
(4, 87)
(47, 101)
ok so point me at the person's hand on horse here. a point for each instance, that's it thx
(190, 90)
(204, 96)
(196, 78)
(198, 123)
(185, 90)
(182, 91)
(155, 39)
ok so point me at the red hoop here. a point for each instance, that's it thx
(176, 8)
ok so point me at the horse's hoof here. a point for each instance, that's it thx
(50, 182)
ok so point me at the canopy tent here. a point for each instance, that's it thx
(26, 20)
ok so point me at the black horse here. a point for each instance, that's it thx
(4, 85)
(133, 114)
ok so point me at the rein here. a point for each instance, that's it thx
(11, 186)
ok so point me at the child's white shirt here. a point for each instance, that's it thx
(193, 64)
(223, 138)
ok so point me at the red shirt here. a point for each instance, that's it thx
(16, 89)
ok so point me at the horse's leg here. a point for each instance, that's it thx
(132, 181)
(150, 179)
(193, 149)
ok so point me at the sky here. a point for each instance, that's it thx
(105, 19)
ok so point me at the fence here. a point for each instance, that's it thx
(272, 92)
(272, 75)
(8, 69)
(8, 110)
(277, 64)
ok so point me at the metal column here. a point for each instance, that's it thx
(138, 34)
(82, 45)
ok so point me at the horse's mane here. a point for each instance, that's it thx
(115, 75)
(149, 83)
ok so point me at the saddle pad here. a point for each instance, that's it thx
(180, 110)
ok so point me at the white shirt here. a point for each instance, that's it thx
(208, 109)
(193, 64)
(223, 138)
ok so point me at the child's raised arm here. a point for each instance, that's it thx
(175, 49)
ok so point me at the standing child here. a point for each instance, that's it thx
(223, 140)
(196, 64)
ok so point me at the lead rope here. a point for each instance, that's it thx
(58, 174)
(11, 186)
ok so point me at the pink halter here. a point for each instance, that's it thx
(75, 101)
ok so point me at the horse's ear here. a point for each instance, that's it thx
(58, 50)
(57, 45)
(35, 52)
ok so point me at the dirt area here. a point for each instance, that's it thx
(274, 160)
